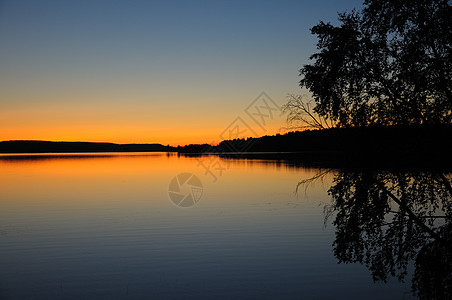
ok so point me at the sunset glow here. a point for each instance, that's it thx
(148, 72)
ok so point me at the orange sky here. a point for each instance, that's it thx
(123, 123)
(145, 72)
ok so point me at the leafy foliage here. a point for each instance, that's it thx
(387, 64)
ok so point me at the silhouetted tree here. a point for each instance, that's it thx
(386, 220)
(389, 63)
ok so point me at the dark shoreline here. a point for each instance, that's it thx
(376, 147)
(16, 147)
(367, 147)
(340, 160)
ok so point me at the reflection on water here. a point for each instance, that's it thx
(387, 220)
(81, 226)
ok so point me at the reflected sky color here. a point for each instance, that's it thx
(102, 226)
(148, 71)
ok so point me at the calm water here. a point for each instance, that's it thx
(104, 226)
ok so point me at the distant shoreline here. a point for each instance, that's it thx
(370, 147)
(17, 147)
(392, 146)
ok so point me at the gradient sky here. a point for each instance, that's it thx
(171, 72)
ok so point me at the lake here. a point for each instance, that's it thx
(162, 225)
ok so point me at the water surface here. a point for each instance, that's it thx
(85, 226)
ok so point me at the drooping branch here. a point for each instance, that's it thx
(319, 176)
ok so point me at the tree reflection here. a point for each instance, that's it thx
(386, 220)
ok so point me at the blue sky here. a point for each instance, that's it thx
(206, 58)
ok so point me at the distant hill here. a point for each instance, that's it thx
(76, 147)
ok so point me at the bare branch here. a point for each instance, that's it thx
(301, 115)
